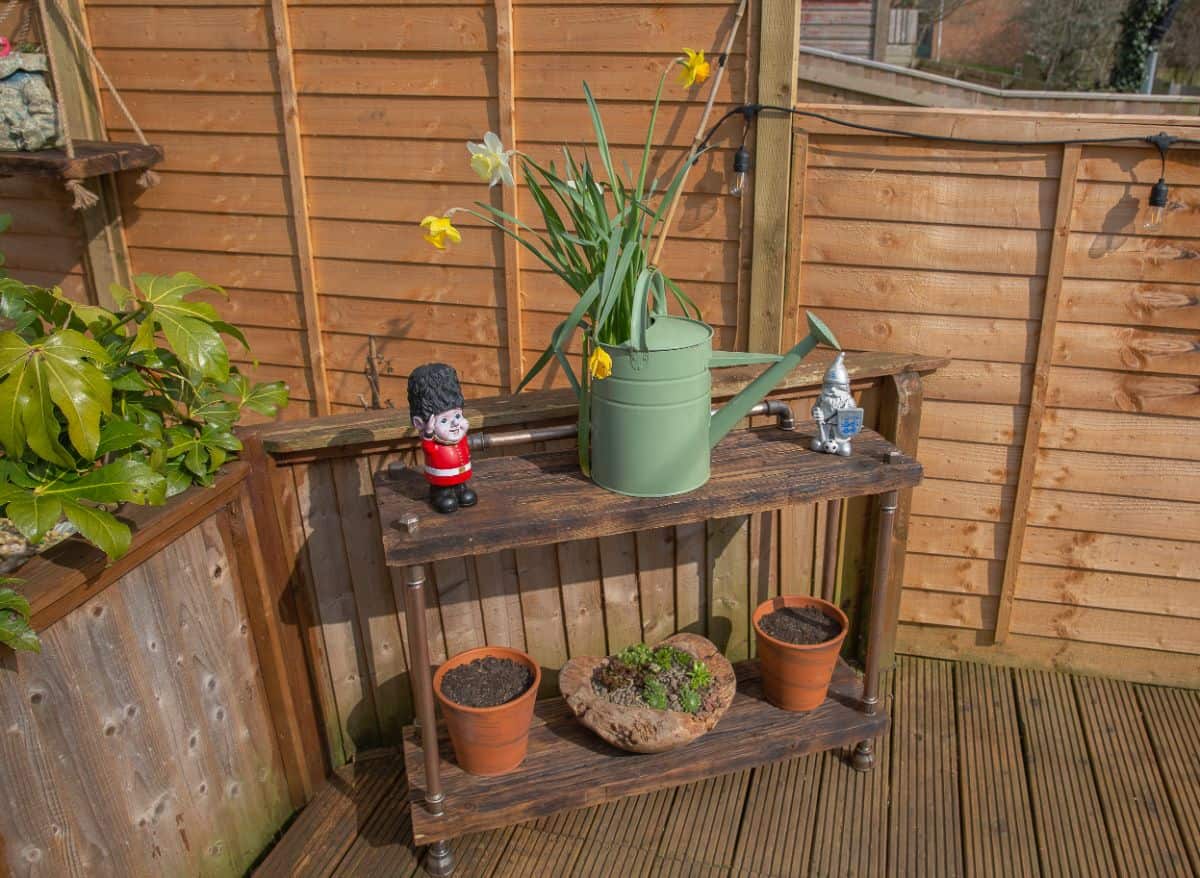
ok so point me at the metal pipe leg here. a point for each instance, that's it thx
(418, 640)
(833, 534)
(439, 860)
(864, 753)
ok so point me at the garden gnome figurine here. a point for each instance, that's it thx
(837, 417)
(435, 404)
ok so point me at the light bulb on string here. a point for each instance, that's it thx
(741, 167)
(1156, 205)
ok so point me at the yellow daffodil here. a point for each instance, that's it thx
(599, 364)
(490, 160)
(695, 68)
(438, 230)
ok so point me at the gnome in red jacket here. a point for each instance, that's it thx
(435, 404)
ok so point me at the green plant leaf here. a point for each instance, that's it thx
(123, 481)
(57, 373)
(188, 326)
(99, 527)
(118, 435)
(15, 631)
(196, 342)
(13, 601)
(34, 515)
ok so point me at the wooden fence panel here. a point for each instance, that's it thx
(1059, 510)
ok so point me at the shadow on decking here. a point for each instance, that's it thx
(986, 771)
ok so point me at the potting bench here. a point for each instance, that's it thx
(543, 498)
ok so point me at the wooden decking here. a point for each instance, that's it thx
(986, 772)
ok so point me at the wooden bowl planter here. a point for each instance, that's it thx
(796, 676)
(645, 729)
(489, 740)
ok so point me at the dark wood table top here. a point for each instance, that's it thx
(536, 499)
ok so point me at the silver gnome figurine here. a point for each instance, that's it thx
(838, 418)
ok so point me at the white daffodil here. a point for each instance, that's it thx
(490, 160)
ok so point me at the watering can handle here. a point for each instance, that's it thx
(650, 283)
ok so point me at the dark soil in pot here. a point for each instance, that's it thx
(486, 682)
(800, 625)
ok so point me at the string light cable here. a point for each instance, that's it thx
(1162, 141)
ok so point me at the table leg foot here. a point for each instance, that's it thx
(864, 756)
(439, 860)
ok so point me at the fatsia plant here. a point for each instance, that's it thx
(102, 407)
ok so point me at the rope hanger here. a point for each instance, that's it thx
(82, 197)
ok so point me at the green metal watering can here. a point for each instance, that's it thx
(652, 422)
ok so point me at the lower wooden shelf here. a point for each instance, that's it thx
(569, 767)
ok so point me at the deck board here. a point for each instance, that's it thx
(1066, 810)
(984, 772)
(780, 818)
(925, 837)
(1166, 712)
(852, 818)
(1145, 837)
(998, 834)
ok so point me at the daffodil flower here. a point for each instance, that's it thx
(599, 364)
(438, 230)
(695, 68)
(490, 160)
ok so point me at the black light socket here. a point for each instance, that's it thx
(1159, 193)
(741, 160)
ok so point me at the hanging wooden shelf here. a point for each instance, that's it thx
(93, 158)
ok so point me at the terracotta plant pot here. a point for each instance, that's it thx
(489, 740)
(796, 677)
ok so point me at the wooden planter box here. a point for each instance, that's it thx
(157, 731)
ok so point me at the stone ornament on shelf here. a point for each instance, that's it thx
(838, 417)
(28, 119)
(644, 729)
(435, 404)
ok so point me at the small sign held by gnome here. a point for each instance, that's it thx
(435, 403)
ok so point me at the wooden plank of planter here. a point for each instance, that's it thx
(74, 571)
(391, 425)
(568, 767)
(752, 470)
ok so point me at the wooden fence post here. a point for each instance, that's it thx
(281, 37)
(105, 254)
(275, 619)
(506, 95)
(1037, 393)
(881, 13)
(778, 56)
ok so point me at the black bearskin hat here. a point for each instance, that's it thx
(432, 389)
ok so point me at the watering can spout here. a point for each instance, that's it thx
(753, 393)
